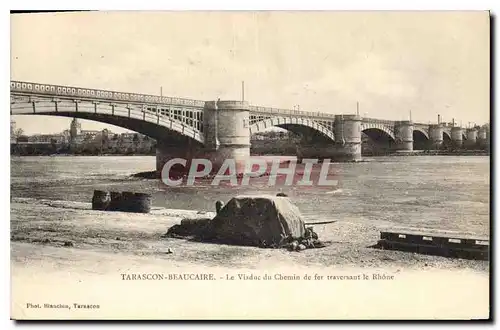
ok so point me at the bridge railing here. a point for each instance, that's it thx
(378, 121)
(71, 91)
(287, 112)
(65, 91)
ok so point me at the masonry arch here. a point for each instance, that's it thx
(309, 129)
(377, 140)
(420, 139)
(447, 142)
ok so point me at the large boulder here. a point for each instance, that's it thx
(189, 228)
(262, 220)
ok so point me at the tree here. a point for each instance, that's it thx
(104, 142)
(18, 133)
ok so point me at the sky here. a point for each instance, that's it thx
(392, 63)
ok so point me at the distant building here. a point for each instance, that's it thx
(48, 138)
(88, 141)
(74, 130)
(90, 133)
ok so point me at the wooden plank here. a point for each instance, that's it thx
(407, 244)
(440, 241)
(470, 239)
(448, 235)
(433, 231)
(469, 253)
(435, 241)
(474, 242)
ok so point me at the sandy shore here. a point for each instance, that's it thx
(64, 253)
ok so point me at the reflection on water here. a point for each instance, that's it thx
(442, 192)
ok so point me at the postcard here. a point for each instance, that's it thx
(250, 165)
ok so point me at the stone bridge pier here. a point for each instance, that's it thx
(457, 136)
(471, 137)
(345, 148)
(217, 131)
(226, 134)
(483, 138)
(404, 135)
(166, 150)
(436, 136)
(347, 138)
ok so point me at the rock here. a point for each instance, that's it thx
(293, 246)
(310, 233)
(308, 243)
(301, 247)
(68, 244)
(317, 243)
(199, 227)
(100, 200)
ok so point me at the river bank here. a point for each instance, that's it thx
(65, 253)
(62, 252)
(52, 223)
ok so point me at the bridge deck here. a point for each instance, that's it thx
(32, 88)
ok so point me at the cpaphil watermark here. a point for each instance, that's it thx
(277, 172)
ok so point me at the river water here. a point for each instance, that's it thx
(437, 192)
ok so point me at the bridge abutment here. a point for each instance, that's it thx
(404, 135)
